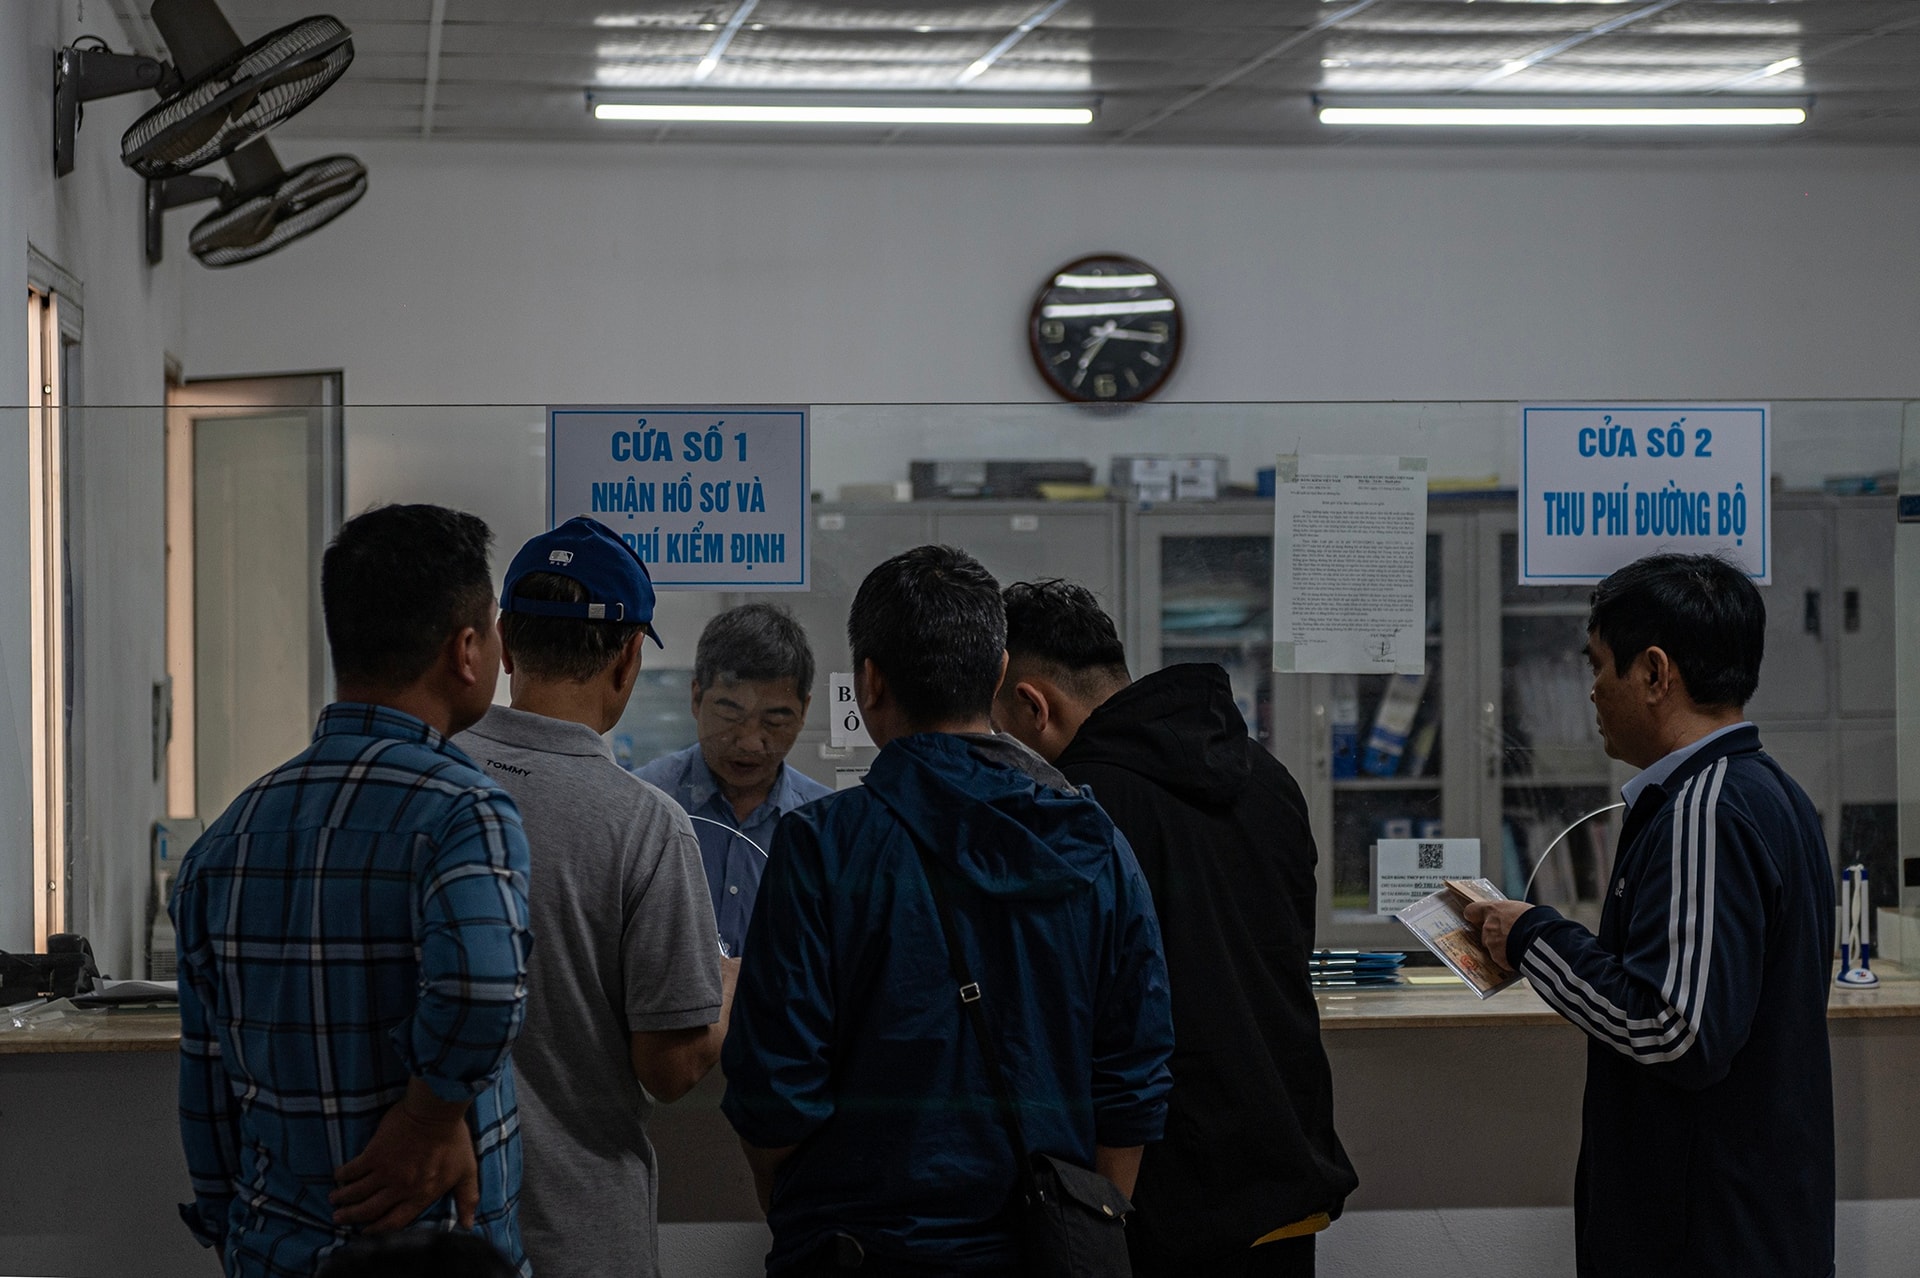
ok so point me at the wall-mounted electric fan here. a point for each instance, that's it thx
(217, 98)
(263, 208)
(231, 93)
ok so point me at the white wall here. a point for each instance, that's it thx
(484, 273)
(88, 222)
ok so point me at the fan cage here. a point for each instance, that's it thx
(306, 199)
(171, 139)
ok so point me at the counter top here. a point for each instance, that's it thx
(1450, 1005)
(144, 1030)
(1441, 1006)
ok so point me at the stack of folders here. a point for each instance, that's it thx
(1352, 969)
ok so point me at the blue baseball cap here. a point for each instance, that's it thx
(589, 552)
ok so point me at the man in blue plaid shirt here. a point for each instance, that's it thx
(353, 935)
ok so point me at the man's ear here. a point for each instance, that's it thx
(1662, 676)
(1034, 700)
(461, 655)
(698, 693)
(626, 665)
(870, 690)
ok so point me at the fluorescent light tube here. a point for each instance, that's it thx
(1070, 310)
(1567, 117)
(787, 113)
(1105, 281)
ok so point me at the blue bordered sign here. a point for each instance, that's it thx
(712, 498)
(1602, 486)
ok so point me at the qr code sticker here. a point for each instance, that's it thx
(1432, 856)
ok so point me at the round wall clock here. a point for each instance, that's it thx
(1105, 328)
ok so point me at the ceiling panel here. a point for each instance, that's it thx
(1204, 72)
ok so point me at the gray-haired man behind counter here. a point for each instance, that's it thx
(752, 684)
(626, 986)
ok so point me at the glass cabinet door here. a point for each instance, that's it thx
(1543, 755)
(1386, 756)
(1216, 605)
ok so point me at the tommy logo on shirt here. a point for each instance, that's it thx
(508, 767)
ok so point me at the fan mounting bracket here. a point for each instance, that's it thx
(82, 75)
(171, 193)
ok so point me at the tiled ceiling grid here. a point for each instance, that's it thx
(1198, 72)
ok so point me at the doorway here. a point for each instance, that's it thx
(254, 493)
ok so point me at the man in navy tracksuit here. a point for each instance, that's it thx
(1707, 1143)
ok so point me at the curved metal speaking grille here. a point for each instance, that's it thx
(303, 201)
(226, 108)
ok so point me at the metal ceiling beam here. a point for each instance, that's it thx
(1571, 42)
(979, 65)
(436, 25)
(139, 29)
(1754, 77)
(725, 38)
(1292, 42)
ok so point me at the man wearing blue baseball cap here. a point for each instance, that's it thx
(627, 989)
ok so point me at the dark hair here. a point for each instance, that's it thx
(754, 643)
(396, 582)
(417, 1253)
(572, 648)
(1704, 612)
(1062, 626)
(932, 621)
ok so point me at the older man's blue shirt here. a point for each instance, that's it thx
(733, 864)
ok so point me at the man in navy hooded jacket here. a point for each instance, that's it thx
(854, 1080)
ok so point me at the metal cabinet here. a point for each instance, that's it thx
(1863, 590)
(1200, 588)
(1506, 749)
(1796, 673)
(1014, 540)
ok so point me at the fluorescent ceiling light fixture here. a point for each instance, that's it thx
(798, 113)
(1510, 112)
(1105, 281)
(1069, 310)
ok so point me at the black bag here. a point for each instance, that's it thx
(1071, 1220)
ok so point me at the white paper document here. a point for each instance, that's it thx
(1440, 923)
(1350, 565)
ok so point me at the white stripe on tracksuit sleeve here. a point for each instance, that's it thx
(1680, 998)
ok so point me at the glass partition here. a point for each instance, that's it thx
(1500, 747)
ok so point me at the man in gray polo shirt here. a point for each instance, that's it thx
(626, 987)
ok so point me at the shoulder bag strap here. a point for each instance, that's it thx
(969, 990)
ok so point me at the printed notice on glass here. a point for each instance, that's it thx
(709, 498)
(1350, 565)
(845, 727)
(1404, 870)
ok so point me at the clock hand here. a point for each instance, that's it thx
(1093, 348)
(1135, 335)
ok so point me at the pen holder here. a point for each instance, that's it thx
(1855, 943)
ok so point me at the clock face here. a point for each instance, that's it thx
(1105, 328)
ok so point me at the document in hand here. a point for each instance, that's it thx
(1440, 923)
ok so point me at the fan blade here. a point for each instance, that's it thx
(294, 74)
(198, 130)
(243, 232)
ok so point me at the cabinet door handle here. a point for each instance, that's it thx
(1850, 611)
(1812, 621)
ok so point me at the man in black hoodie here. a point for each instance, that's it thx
(1250, 1168)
